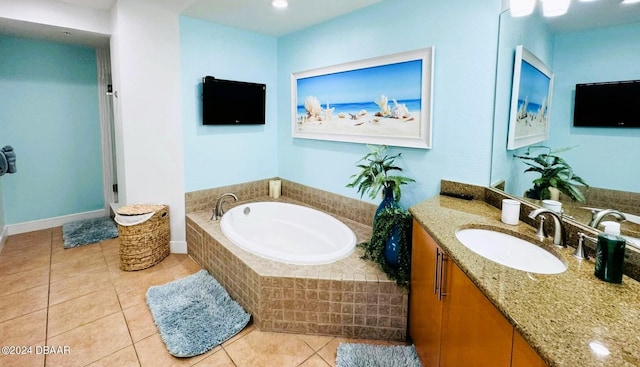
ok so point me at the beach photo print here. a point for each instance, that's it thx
(385, 100)
(530, 109)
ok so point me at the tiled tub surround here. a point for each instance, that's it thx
(348, 298)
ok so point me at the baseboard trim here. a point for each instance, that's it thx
(37, 225)
(178, 247)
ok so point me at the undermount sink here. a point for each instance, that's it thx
(510, 251)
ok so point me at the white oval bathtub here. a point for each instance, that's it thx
(288, 233)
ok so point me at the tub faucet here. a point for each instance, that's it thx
(218, 210)
(598, 215)
(558, 234)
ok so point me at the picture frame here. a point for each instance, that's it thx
(530, 108)
(385, 100)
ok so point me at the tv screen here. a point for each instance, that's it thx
(610, 104)
(228, 102)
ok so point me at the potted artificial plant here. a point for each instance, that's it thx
(376, 176)
(390, 240)
(554, 171)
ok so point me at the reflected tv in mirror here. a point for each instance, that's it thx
(609, 104)
(229, 102)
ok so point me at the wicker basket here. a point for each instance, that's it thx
(145, 244)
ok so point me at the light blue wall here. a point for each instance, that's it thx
(600, 55)
(464, 35)
(223, 155)
(49, 114)
(533, 34)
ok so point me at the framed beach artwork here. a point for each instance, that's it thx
(530, 100)
(385, 100)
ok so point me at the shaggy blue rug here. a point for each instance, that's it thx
(369, 355)
(194, 314)
(82, 232)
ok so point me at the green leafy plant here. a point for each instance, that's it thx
(554, 172)
(375, 174)
(375, 248)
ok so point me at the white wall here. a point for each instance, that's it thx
(145, 48)
(57, 14)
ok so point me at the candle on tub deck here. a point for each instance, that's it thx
(277, 188)
(271, 188)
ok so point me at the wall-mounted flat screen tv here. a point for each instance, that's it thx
(229, 102)
(609, 104)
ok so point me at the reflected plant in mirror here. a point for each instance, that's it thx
(555, 173)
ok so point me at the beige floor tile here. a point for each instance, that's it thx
(31, 359)
(24, 330)
(82, 310)
(140, 322)
(330, 351)
(247, 329)
(41, 236)
(78, 286)
(11, 264)
(60, 254)
(133, 291)
(25, 302)
(123, 358)
(91, 342)
(219, 359)
(269, 349)
(152, 352)
(316, 342)
(315, 361)
(71, 268)
(17, 282)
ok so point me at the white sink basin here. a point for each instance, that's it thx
(510, 251)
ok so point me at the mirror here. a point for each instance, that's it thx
(606, 158)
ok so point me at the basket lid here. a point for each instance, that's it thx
(138, 209)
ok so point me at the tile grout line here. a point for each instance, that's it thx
(121, 310)
(46, 327)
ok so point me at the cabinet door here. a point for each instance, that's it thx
(425, 310)
(474, 332)
(523, 354)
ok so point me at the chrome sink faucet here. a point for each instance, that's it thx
(218, 210)
(558, 234)
(598, 215)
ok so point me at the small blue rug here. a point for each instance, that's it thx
(194, 314)
(370, 355)
(86, 231)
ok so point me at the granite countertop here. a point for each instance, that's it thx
(559, 315)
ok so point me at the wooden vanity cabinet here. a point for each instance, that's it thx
(451, 322)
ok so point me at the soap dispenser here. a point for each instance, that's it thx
(610, 254)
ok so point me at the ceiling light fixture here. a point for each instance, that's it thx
(630, 1)
(554, 8)
(280, 4)
(521, 8)
(550, 8)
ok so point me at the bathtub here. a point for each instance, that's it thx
(288, 233)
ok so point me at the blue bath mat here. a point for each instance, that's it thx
(82, 232)
(369, 355)
(194, 314)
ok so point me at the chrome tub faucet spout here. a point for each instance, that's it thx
(218, 210)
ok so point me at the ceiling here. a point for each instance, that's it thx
(259, 16)
(594, 14)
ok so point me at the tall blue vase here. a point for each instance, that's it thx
(392, 247)
(392, 244)
(387, 201)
